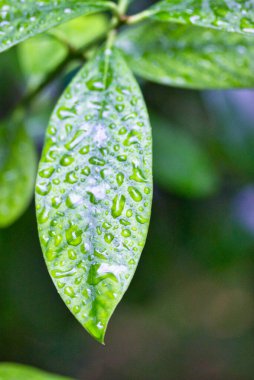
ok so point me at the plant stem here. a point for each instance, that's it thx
(119, 17)
(122, 6)
(130, 20)
(111, 39)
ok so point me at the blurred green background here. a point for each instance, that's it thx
(189, 312)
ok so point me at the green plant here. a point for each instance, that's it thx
(94, 182)
(21, 372)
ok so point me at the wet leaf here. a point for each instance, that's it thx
(12, 371)
(231, 16)
(189, 56)
(94, 189)
(20, 20)
(40, 55)
(17, 172)
(180, 164)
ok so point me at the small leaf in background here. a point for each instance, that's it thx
(94, 189)
(20, 20)
(40, 55)
(17, 172)
(180, 164)
(189, 56)
(232, 16)
(13, 371)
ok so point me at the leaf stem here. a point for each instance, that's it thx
(130, 20)
(122, 6)
(119, 18)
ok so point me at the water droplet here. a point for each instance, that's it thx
(100, 272)
(135, 194)
(77, 138)
(118, 206)
(140, 219)
(68, 291)
(124, 222)
(96, 161)
(120, 107)
(65, 112)
(106, 225)
(122, 158)
(66, 160)
(108, 238)
(73, 200)
(50, 254)
(100, 254)
(68, 128)
(129, 213)
(43, 216)
(71, 177)
(43, 188)
(56, 181)
(132, 115)
(133, 138)
(122, 131)
(85, 149)
(56, 202)
(86, 171)
(95, 84)
(126, 233)
(74, 235)
(119, 179)
(57, 273)
(137, 174)
(76, 309)
(46, 173)
(72, 254)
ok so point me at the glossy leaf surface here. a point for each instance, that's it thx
(17, 172)
(229, 15)
(94, 189)
(181, 165)
(11, 371)
(20, 20)
(189, 56)
(41, 54)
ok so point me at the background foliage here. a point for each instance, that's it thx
(189, 311)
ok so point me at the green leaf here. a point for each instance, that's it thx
(180, 164)
(17, 172)
(231, 16)
(13, 371)
(40, 55)
(189, 56)
(94, 189)
(20, 20)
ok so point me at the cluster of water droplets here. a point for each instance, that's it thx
(230, 15)
(189, 56)
(94, 189)
(25, 18)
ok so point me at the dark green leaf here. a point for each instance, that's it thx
(41, 54)
(17, 172)
(20, 20)
(231, 16)
(189, 56)
(180, 163)
(11, 371)
(94, 189)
